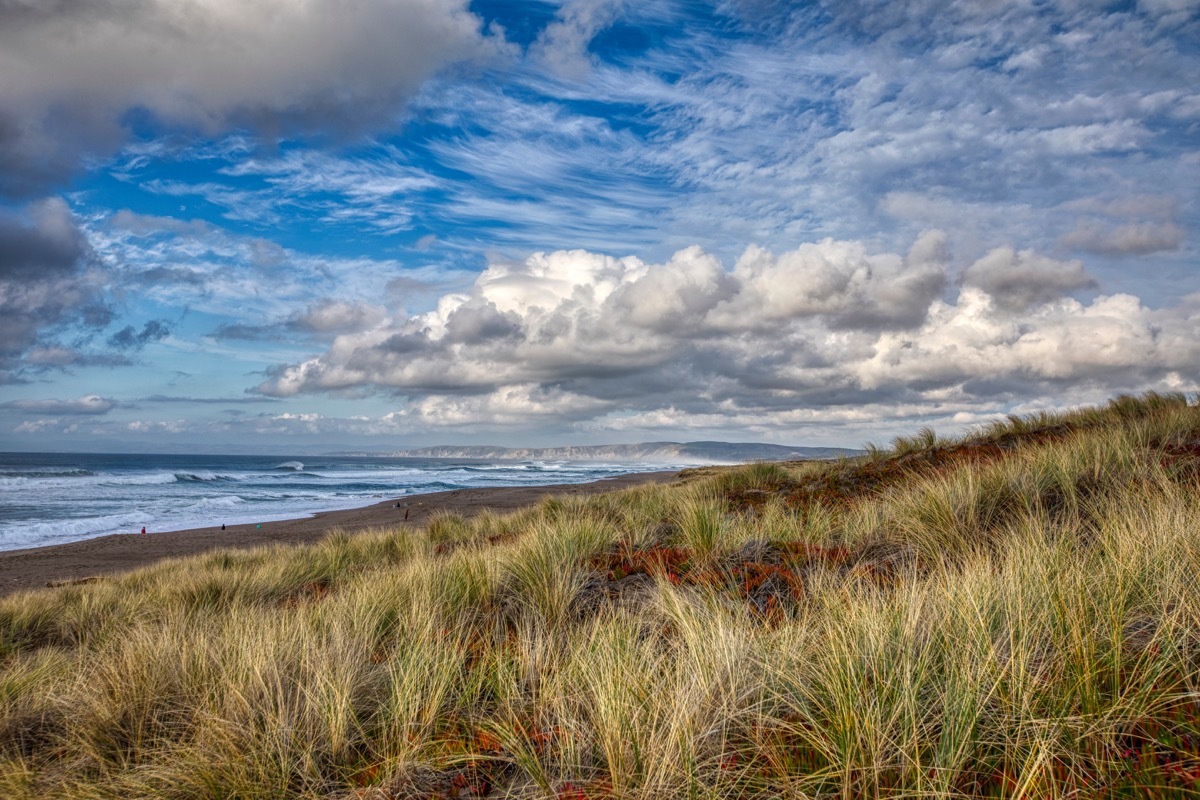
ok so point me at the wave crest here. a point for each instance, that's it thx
(201, 477)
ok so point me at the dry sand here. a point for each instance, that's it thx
(38, 567)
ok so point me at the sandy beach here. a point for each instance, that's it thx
(38, 567)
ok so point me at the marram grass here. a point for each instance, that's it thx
(1012, 614)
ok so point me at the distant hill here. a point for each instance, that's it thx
(649, 452)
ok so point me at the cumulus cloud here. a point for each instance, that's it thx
(592, 339)
(1017, 281)
(1114, 341)
(159, 427)
(88, 404)
(70, 71)
(842, 282)
(35, 426)
(508, 406)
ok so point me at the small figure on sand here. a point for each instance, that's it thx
(222, 526)
(143, 529)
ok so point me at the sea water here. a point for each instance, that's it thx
(50, 498)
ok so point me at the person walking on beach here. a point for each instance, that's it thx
(143, 529)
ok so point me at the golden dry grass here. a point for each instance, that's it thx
(1012, 614)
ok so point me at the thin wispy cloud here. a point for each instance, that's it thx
(88, 404)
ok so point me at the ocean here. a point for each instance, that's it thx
(50, 498)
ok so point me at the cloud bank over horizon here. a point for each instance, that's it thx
(588, 220)
(581, 336)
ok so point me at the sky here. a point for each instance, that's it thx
(308, 225)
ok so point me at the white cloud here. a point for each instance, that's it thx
(852, 126)
(841, 281)
(1171, 12)
(1098, 137)
(592, 339)
(1114, 341)
(1127, 206)
(160, 427)
(563, 44)
(521, 406)
(35, 426)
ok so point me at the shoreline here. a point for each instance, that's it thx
(51, 565)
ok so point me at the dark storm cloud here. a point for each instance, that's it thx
(42, 244)
(71, 71)
(38, 155)
(43, 285)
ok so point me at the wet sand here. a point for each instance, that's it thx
(37, 567)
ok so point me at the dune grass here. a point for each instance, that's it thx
(1015, 613)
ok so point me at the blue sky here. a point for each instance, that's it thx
(308, 225)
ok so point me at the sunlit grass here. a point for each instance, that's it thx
(1012, 614)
